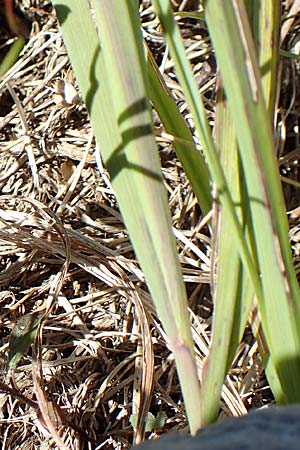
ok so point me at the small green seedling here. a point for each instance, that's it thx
(21, 337)
(152, 422)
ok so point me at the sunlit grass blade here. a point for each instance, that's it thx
(265, 24)
(191, 159)
(232, 290)
(190, 88)
(113, 84)
(234, 293)
(279, 305)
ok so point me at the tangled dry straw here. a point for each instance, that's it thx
(104, 355)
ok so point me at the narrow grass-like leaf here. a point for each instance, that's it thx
(11, 56)
(265, 24)
(234, 293)
(186, 78)
(190, 157)
(113, 83)
(264, 19)
(232, 289)
(289, 55)
(279, 305)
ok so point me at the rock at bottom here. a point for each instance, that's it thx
(274, 428)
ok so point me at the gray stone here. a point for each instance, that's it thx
(274, 428)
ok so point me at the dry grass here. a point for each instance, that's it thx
(103, 350)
